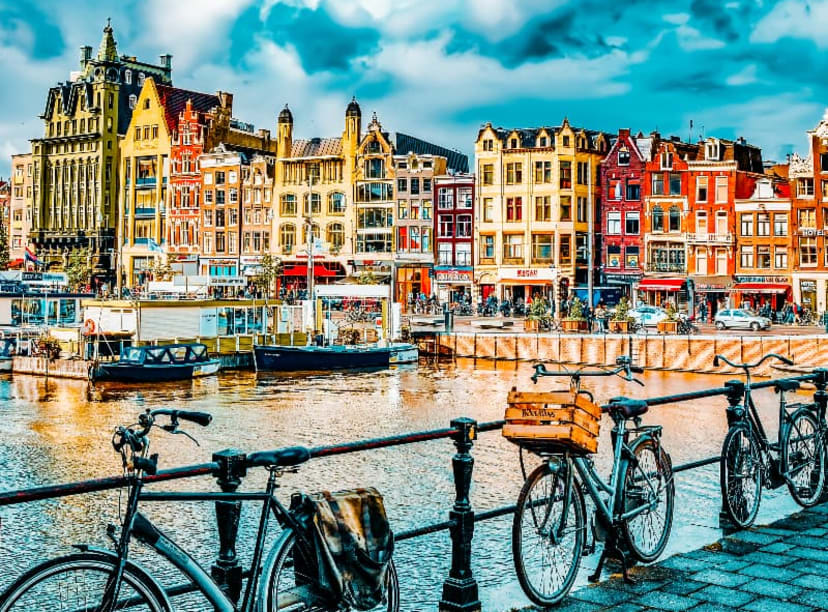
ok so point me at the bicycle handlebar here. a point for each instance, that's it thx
(199, 418)
(623, 366)
(748, 366)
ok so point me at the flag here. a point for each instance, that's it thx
(154, 246)
(31, 257)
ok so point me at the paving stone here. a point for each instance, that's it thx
(603, 596)
(771, 588)
(776, 531)
(812, 567)
(667, 601)
(776, 547)
(637, 587)
(709, 607)
(810, 581)
(755, 537)
(627, 607)
(684, 586)
(760, 570)
(733, 566)
(767, 604)
(724, 596)
(769, 559)
(575, 605)
(813, 554)
(801, 521)
(815, 531)
(716, 576)
(810, 541)
(683, 563)
(817, 598)
(737, 547)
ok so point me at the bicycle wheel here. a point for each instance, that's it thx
(803, 458)
(740, 476)
(77, 582)
(647, 478)
(546, 549)
(292, 588)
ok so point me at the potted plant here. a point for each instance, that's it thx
(49, 346)
(575, 319)
(621, 319)
(538, 313)
(670, 324)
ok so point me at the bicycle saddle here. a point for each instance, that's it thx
(786, 385)
(628, 407)
(281, 457)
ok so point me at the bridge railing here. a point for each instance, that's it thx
(460, 592)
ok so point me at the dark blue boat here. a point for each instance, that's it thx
(295, 358)
(157, 364)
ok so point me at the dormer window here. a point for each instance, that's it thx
(623, 157)
(666, 161)
(133, 100)
(146, 103)
(488, 145)
(582, 143)
(141, 78)
(128, 77)
(542, 141)
(713, 150)
(566, 141)
(513, 143)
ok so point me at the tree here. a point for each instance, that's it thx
(161, 270)
(269, 268)
(4, 246)
(78, 269)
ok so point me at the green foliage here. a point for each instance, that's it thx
(672, 313)
(4, 246)
(269, 268)
(576, 310)
(367, 278)
(622, 311)
(78, 270)
(539, 309)
(161, 270)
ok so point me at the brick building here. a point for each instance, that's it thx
(20, 208)
(454, 231)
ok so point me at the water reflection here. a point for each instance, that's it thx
(59, 430)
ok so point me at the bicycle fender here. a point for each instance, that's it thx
(267, 570)
(131, 566)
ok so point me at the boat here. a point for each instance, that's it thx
(157, 364)
(335, 357)
(7, 346)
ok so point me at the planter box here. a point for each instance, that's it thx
(619, 327)
(573, 325)
(531, 325)
(667, 327)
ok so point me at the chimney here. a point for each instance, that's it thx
(226, 100)
(624, 132)
(264, 134)
(85, 55)
(166, 61)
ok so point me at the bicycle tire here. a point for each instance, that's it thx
(295, 601)
(23, 596)
(650, 466)
(539, 523)
(741, 463)
(806, 485)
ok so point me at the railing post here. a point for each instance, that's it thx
(735, 395)
(226, 571)
(460, 588)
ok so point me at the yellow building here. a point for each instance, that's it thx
(537, 190)
(144, 174)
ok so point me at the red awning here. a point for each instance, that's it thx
(762, 287)
(302, 270)
(15, 263)
(661, 284)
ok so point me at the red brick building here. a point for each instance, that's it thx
(454, 232)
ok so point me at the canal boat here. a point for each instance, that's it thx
(336, 357)
(6, 352)
(157, 364)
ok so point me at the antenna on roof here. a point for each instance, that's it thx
(690, 133)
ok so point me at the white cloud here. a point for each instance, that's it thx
(690, 39)
(677, 18)
(796, 19)
(745, 76)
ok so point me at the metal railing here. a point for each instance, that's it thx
(460, 589)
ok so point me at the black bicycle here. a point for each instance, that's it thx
(104, 581)
(750, 461)
(634, 509)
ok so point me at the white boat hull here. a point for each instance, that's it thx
(207, 369)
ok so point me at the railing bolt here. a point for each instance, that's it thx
(226, 571)
(460, 588)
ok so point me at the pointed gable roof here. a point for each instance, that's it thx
(108, 51)
(174, 100)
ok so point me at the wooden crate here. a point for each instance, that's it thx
(552, 421)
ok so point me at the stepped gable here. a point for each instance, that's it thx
(174, 100)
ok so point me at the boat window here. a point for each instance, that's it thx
(225, 321)
(179, 353)
(240, 321)
(199, 351)
(68, 311)
(131, 354)
(52, 306)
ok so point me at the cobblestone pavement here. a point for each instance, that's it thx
(781, 567)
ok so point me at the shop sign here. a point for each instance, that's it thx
(807, 285)
(776, 280)
(529, 274)
(626, 278)
(246, 260)
(810, 232)
(57, 278)
(228, 281)
(453, 275)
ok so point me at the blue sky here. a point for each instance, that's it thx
(440, 68)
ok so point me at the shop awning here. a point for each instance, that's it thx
(302, 270)
(762, 287)
(661, 284)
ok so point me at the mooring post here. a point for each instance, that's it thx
(460, 588)
(226, 571)
(735, 411)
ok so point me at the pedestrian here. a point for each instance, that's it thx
(601, 317)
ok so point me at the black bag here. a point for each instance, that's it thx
(352, 546)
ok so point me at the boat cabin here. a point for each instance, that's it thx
(170, 354)
(7, 346)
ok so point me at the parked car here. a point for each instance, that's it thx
(648, 316)
(738, 318)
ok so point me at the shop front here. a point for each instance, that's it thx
(659, 291)
(522, 283)
(759, 292)
(810, 290)
(294, 275)
(412, 281)
(625, 282)
(710, 293)
(454, 283)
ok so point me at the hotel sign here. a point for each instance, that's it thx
(774, 280)
(811, 232)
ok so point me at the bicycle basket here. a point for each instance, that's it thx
(353, 545)
(552, 421)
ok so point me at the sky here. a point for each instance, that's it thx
(439, 69)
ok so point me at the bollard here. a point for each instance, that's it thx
(460, 588)
(735, 395)
(226, 571)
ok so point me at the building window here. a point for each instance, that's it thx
(427, 206)
(666, 160)
(675, 219)
(462, 254)
(658, 219)
(464, 198)
(426, 182)
(138, 137)
(287, 237)
(543, 208)
(446, 226)
(487, 246)
(444, 253)
(675, 183)
(464, 226)
(488, 174)
(220, 197)
(128, 76)
(701, 260)
(288, 205)
(614, 187)
(445, 198)
(582, 209)
(402, 184)
(374, 168)
(565, 141)
(613, 256)
(805, 188)
(208, 196)
(701, 189)
(512, 246)
(208, 218)
(488, 145)
(780, 224)
(133, 100)
(336, 203)
(543, 171)
(633, 190)
(780, 258)
(514, 209)
(746, 256)
(335, 235)
(514, 173)
(513, 143)
(542, 141)
(488, 209)
(415, 186)
(614, 223)
(631, 259)
(746, 224)
(763, 257)
(565, 250)
(721, 189)
(632, 225)
(566, 173)
(807, 251)
(763, 224)
(543, 248)
(583, 173)
(566, 208)
(807, 218)
(623, 157)
(220, 244)
(313, 204)
(220, 178)
(658, 184)
(825, 185)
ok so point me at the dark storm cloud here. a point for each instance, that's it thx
(721, 18)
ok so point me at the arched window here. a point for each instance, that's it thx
(128, 76)
(374, 168)
(288, 205)
(133, 100)
(315, 207)
(305, 233)
(287, 237)
(141, 78)
(675, 219)
(147, 103)
(336, 204)
(658, 219)
(335, 235)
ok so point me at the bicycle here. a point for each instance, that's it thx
(750, 461)
(104, 581)
(549, 527)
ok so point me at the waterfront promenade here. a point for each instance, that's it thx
(780, 567)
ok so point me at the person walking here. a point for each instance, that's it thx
(601, 317)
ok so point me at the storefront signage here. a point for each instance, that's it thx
(228, 281)
(807, 285)
(763, 279)
(623, 278)
(807, 231)
(453, 275)
(528, 274)
(44, 278)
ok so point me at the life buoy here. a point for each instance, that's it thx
(88, 327)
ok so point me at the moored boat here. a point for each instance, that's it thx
(157, 364)
(7, 346)
(336, 357)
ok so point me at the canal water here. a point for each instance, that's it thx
(54, 431)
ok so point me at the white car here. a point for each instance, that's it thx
(739, 318)
(649, 316)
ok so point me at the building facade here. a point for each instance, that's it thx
(538, 191)
(20, 208)
(454, 242)
(75, 164)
